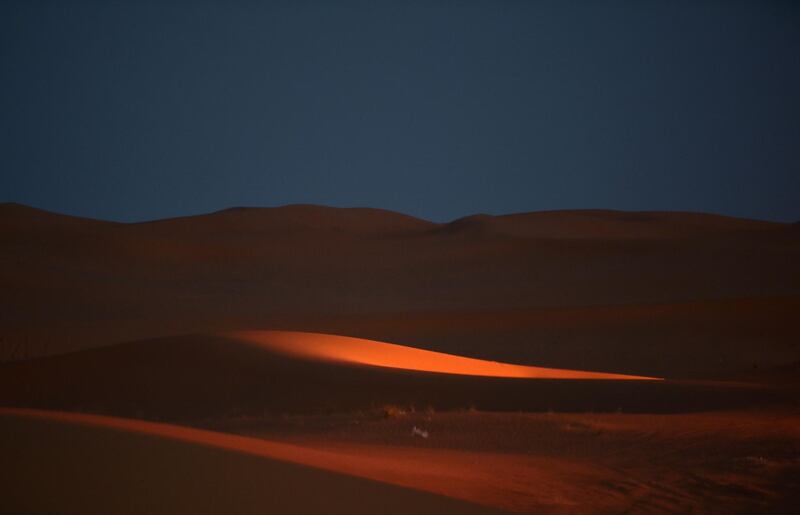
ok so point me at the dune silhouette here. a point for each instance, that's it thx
(328, 347)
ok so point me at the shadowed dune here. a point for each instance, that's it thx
(84, 464)
(600, 223)
(199, 376)
(71, 283)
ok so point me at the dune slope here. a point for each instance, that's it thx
(69, 463)
(361, 351)
(196, 376)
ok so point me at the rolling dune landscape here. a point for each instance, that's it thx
(555, 398)
(370, 257)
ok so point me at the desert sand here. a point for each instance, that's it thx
(72, 283)
(564, 362)
(91, 464)
(361, 351)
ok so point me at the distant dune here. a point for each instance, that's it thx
(600, 224)
(71, 283)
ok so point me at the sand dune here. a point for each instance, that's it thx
(200, 376)
(361, 351)
(72, 463)
(549, 312)
(527, 463)
(718, 462)
(116, 282)
(599, 224)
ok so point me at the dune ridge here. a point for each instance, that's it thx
(389, 355)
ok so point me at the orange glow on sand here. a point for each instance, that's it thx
(344, 349)
(451, 473)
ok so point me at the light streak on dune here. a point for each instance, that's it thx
(373, 467)
(255, 446)
(463, 475)
(344, 349)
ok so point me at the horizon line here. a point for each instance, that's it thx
(585, 210)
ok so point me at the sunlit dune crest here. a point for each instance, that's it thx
(328, 347)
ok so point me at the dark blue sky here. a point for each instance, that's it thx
(141, 110)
